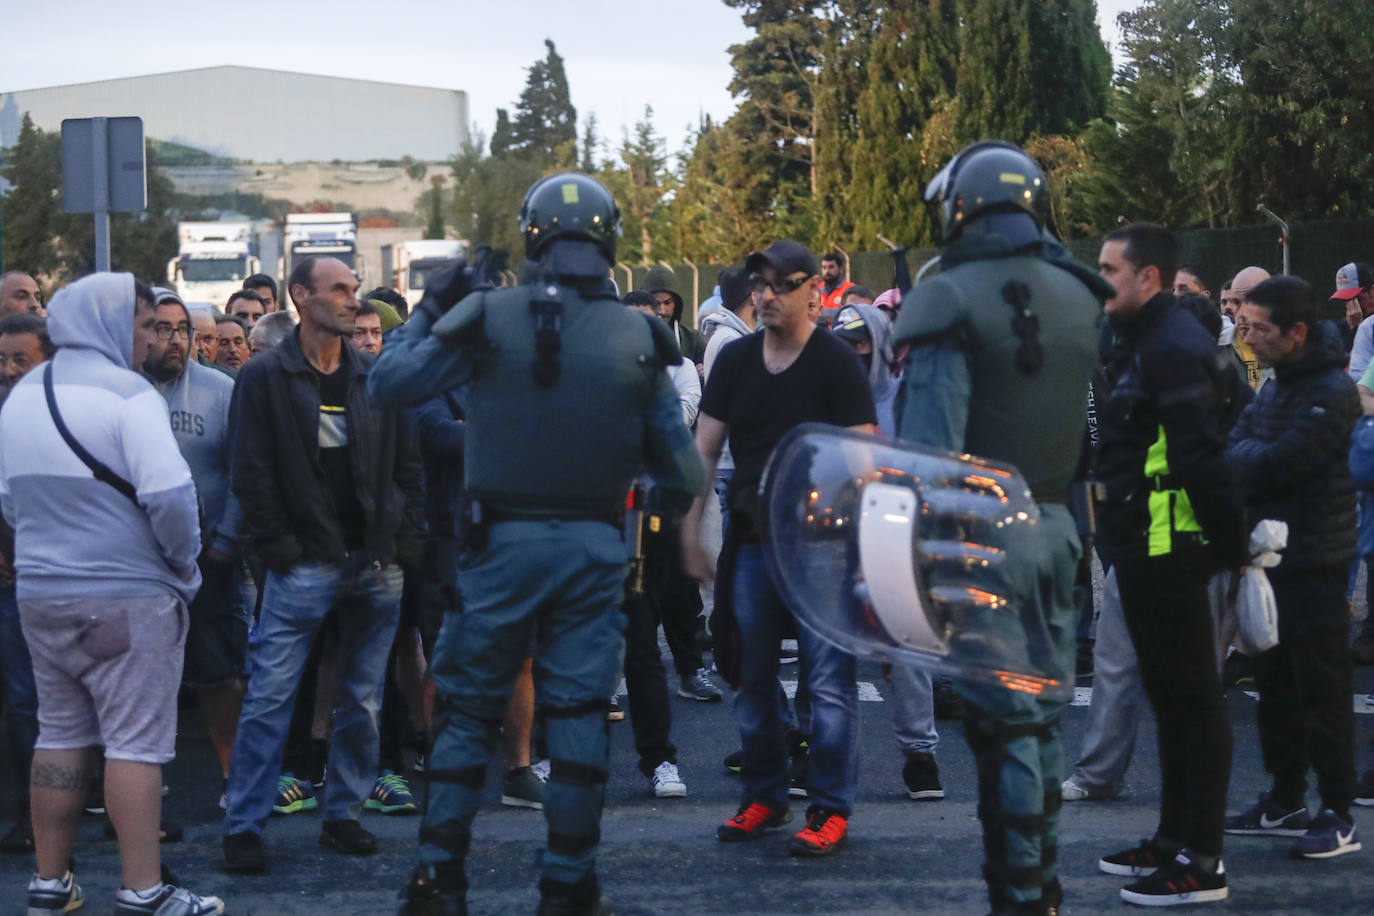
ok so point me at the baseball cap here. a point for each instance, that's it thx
(1353, 279)
(850, 325)
(162, 294)
(785, 257)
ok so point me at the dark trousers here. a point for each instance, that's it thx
(677, 595)
(1305, 686)
(647, 685)
(1165, 604)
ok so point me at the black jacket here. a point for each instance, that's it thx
(1165, 378)
(288, 509)
(1290, 454)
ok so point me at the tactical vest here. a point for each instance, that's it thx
(571, 448)
(1034, 421)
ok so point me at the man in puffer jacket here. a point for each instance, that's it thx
(1289, 453)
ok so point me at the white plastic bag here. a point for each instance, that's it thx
(1257, 613)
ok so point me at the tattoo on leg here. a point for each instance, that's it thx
(58, 778)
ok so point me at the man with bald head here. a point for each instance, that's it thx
(1231, 300)
(20, 293)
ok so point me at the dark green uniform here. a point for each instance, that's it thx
(551, 456)
(968, 388)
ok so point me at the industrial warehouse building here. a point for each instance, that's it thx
(259, 115)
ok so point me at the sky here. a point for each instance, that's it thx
(620, 54)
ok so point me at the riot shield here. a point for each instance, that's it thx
(906, 555)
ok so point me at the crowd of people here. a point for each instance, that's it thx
(324, 502)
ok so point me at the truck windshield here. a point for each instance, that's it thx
(210, 270)
(422, 271)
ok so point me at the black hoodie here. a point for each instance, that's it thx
(1290, 454)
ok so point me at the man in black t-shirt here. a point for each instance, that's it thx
(332, 496)
(760, 387)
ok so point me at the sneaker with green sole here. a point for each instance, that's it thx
(294, 795)
(391, 795)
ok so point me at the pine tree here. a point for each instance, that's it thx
(32, 208)
(545, 125)
(994, 92)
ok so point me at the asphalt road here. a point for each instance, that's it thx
(661, 856)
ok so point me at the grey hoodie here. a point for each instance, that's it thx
(882, 380)
(74, 535)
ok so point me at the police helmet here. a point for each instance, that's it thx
(569, 205)
(985, 177)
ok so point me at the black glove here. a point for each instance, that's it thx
(452, 284)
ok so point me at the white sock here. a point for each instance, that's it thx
(149, 894)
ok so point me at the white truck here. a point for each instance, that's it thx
(333, 235)
(407, 266)
(213, 260)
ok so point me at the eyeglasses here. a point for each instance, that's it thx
(167, 331)
(782, 287)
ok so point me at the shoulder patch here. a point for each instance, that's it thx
(665, 345)
(463, 320)
(930, 309)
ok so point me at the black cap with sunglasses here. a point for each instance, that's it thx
(786, 257)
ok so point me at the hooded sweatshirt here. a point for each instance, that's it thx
(198, 407)
(883, 378)
(77, 537)
(720, 327)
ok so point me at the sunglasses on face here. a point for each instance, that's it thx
(781, 287)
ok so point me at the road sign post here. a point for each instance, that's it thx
(103, 172)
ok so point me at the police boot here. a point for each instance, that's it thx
(1051, 897)
(436, 890)
(583, 898)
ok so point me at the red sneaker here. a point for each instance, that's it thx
(751, 821)
(823, 834)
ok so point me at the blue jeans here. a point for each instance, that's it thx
(829, 673)
(16, 676)
(367, 599)
(913, 710)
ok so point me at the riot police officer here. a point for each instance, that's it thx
(566, 400)
(1003, 346)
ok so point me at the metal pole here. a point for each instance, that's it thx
(100, 175)
(1283, 227)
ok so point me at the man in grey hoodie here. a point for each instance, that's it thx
(198, 406)
(105, 626)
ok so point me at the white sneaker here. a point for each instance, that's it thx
(169, 900)
(666, 782)
(1072, 791)
(54, 895)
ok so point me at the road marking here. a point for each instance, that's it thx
(867, 692)
(1363, 703)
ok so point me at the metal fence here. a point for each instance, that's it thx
(1318, 248)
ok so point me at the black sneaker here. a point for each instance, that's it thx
(1144, 859)
(797, 773)
(243, 854)
(1178, 882)
(523, 789)
(431, 892)
(583, 898)
(347, 837)
(734, 761)
(922, 778)
(1265, 818)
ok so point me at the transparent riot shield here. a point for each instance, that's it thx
(906, 555)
